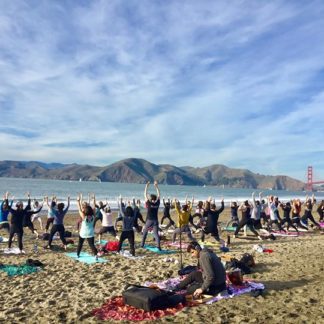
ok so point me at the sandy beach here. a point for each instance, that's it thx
(66, 291)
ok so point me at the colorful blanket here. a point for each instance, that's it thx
(115, 309)
(176, 244)
(18, 270)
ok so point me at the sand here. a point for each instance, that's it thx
(66, 291)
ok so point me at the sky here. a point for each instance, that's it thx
(239, 83)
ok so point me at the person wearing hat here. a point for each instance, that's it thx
(210, 278)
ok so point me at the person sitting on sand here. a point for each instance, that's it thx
(152, 204)
(4, 213)
(183, 219)
(87, 225)
(210, 279)
(17, 218)
(128, 218)
(212, 221)
(245, 208)
(58, 225)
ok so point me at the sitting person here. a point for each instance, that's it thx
(210, 279)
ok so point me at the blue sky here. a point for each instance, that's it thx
(239, 83)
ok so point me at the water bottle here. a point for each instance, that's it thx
(35, 248)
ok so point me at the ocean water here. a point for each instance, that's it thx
(39, 188)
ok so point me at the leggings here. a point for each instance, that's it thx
(48, 223)
(183, 229)
(19, 231)
(277, 223)
(171, 222)
(90, 242)
(130, 236)
(195, 280)
(289, 223)
(151, 223)
(311, 218)
(57, 228)
(249, 223)
(296, 220)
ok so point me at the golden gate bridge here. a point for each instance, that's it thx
(310, 181)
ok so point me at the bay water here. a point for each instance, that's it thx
(110, 191)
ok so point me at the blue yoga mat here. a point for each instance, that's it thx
(156, 250)
(85, 258)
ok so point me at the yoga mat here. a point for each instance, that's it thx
(229, 229)
(14, 270)
(85, 258)
(184, 245)
(156, 250)
(102, 242)
(322, 224)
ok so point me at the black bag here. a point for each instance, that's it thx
(150, 299)
(186, 270)
(34, 263)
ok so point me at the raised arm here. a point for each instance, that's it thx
(145, 191)
(79, 204)
(157, 189)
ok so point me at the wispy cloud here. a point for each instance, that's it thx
(172, 82)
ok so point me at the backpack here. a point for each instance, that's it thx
(34, 263)
(248, 260)
(111, 246)
(45, 236)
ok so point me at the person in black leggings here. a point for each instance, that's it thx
(17, 219)
(166, 214)
(212, 222)
(320, 211)
(286, 217)
(245, 208)
(138, 215)
(308, 212)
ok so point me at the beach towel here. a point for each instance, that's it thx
(156, 250)
(184, 245)
(231, 292)
(115, 309)
(85, 258)
(283, 234)
(18, 270)
(14, 250)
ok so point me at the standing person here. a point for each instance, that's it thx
(152, 204)
(309, 203)
(107, 223)
(58, 225)
(183, 219)
(98, 214)
(4, 213)
(27, 219)
(87, 225)
(37, 216)
(128, 218)
(320, 211)
(296, 210)
(210, 278)
(286, 217)
(50, 213)
(245, 208)
(17, 219)
(166, 214)
(212, 221)
(234, 214)
(138, 215)
(274, 214)
(256, 211)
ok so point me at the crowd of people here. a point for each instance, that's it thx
(260, 215)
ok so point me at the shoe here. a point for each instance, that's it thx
(22, 252)
(260, 238)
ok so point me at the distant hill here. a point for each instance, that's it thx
(139, 171)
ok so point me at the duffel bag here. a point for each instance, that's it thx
(150, 299)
